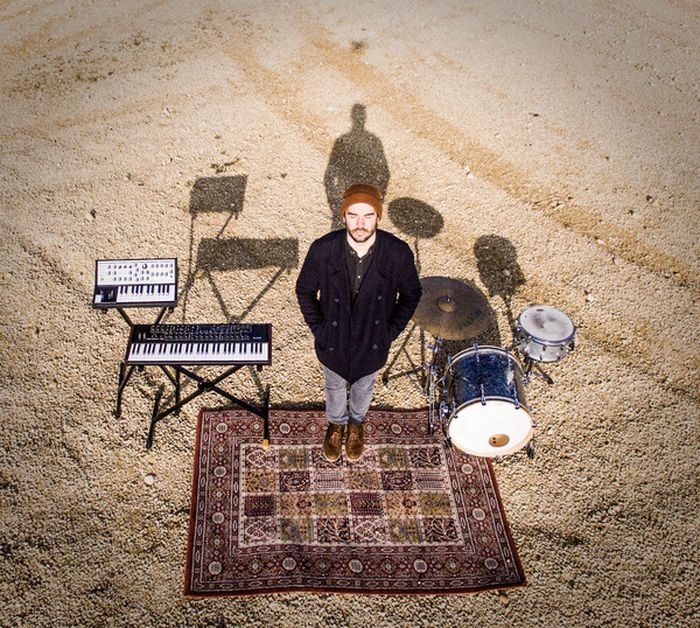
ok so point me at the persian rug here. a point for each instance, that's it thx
(411, 516)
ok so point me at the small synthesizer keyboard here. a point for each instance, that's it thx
(135, 283)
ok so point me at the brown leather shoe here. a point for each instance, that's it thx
(355, 442)
(333, 442)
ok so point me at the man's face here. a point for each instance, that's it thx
(361, 221)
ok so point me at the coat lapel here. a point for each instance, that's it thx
(338, 272)
(376, 273)
(379, 265)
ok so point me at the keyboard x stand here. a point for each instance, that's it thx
(124, 372)
(206, 385)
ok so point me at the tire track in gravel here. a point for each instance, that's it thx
(40, 40)
(28, 246)
(283, 95)
(144, 106)
(574, 142)
(489, 166)
(27, 10)
(612, 341)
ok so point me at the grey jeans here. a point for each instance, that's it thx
(338, 410)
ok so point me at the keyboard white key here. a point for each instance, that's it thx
(198, 352)
(146, 293)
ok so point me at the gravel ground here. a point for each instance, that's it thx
(546, 152)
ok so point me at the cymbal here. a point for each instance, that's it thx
(451, 309)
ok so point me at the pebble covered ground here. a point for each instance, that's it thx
(545, 152)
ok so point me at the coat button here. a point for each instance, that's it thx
(334, 323)
(331, 348)
(376, 322)
(379, 298)
(336, 300)
(375, 347)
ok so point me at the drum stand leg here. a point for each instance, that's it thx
(529, 366)
(431, 383)
(530, 449)
(444, 412)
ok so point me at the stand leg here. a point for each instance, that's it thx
(177, 390)
(387, 370)
(118, 409)
(431, 417)
(124, 375)
(530, 365)
(430, 384)
(544, 375)
(266, 419)
(154, 419)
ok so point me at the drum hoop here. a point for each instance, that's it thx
(507, 452)
(543, 341)
(472, 350)
(491, 398)
(548, 343)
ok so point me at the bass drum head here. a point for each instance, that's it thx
(546, 324)
(495, 429)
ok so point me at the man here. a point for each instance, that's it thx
(357, 290)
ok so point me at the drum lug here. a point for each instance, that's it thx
(444, 410)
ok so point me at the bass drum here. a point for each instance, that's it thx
(486, 394)
(544, 334)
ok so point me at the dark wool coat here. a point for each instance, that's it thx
(353, 339)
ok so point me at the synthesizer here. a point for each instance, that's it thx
(190, 344)
(135, 283)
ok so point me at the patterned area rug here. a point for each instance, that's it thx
(409, 517)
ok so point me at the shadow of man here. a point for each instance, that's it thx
(357, 157)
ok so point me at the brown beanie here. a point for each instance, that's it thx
(362, 194)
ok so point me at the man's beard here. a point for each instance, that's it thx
(361, 235)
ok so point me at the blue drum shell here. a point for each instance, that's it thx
(485, 372)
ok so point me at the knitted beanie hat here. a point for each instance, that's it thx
(362, 194)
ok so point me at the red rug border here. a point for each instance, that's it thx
(190, 533)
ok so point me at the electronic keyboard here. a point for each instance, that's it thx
(135, 283)
(191, 344)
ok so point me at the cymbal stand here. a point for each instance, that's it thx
(402, 349)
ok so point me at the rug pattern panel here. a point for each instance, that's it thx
(409, 516)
